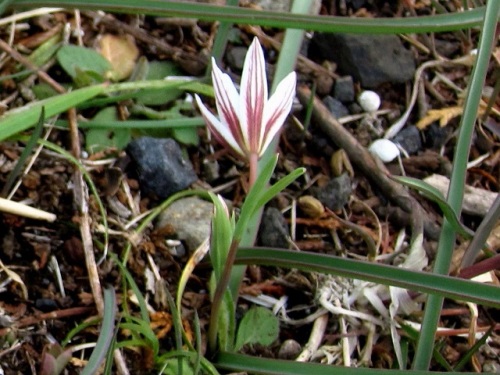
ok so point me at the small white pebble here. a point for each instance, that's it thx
(369, 101)
(385, 150)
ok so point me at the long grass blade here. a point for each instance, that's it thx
(210, 12)
(447, 286)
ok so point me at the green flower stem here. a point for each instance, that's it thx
(455, 195)
(253, 166)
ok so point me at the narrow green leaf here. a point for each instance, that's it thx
(430, 192)
(185, 122)
(447, 286)
(252, 200)
(254, 365)
(24, 155)
(20, 119)
(210, 12)
(221, 237)
(105, 336)
(465, 358)
(280, 185)
(140, 298)
(226, 321)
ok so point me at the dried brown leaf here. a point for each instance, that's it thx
(121, 52)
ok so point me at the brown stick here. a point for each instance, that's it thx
(57, 314)
(363, 160)
(194, 64)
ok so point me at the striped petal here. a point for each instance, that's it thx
(253, 95)
(277, 109)
(227, 100)
(219, 129)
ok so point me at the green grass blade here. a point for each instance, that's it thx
(430, 192)
(210, 12)
(446, 244)
(447, 286)
(106, 334)
(20, 119)
(185, 122)
(254, 365)
(37, 132)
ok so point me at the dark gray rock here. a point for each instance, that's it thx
(335, 194)
(160, 166)
(409, 139)
(343, 89)
(370, 59)
(335, 106)
(355, 108)
(356, 4)
(235, 58)
(435, 136)
(273, 231)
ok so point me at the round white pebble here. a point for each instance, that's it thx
(369, 101)
(385, 150)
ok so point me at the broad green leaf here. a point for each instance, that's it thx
(43, 91)
(187, 136)
(100, 139)
(258, 326)
(85, 78)
(158, 70)
(430, 192)
(77, 60)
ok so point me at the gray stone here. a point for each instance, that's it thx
(409, 139)
(160, 166)
(191, 220)
(273, 231)
(369, 59)
(290, 349)
(335, 194)
(343, 89)
(335, 106)
(235, 58)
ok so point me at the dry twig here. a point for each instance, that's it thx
(364, 161)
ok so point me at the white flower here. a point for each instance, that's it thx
(248, 121)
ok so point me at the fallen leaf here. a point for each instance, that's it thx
(444, 115)
(121, 52)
